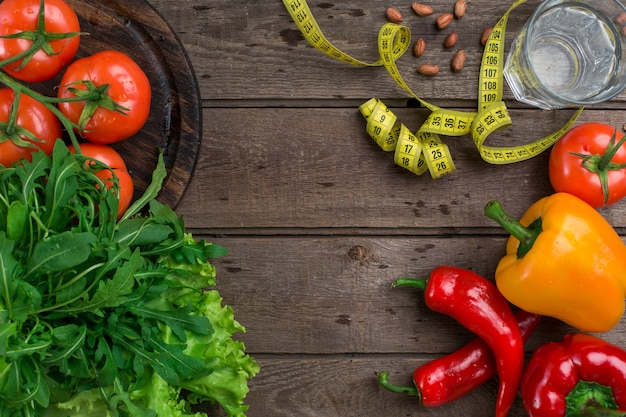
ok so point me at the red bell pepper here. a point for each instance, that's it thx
(452, 376)
(476, 303)
(582, 375)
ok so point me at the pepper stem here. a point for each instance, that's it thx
(420, 284)
(525, 235)
(590, 399)
(383, 381)
(592, 411)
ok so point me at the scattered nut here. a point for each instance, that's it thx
(458, 61)
(459, 8)
(428, 69)
(394, 15)
(422, 9)
(444, 20)
(485, 36)
(451, 40)
(419, 47)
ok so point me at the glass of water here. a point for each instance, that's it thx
(570, 53)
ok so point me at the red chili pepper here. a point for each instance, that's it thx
(476, 303)
(452, 376)
(581, 374)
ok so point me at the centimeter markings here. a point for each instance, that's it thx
(424, 151)
(303, 17)
(490, 86)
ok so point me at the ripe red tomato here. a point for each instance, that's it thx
(588, 162)
(22, 15)
(128, 86)
(114, 160)
(33, 118)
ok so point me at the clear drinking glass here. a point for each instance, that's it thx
(570, 53)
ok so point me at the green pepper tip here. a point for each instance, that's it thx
(383, 381)
(410, 282)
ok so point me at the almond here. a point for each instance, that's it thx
(485, 36)
(419, 48)
(451, 40)
(444, 20)
(394, 15)
(458, 61)
(428, 70)
(459, 8)
(422, 9)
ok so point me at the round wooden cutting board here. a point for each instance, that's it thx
(174, 126)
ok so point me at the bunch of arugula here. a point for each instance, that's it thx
(106, 317)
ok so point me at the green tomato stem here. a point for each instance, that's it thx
(602, 164)
(19, 88)
(40, 40)
(39, 37)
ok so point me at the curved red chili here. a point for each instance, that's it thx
(561, 376)
(452, 376)
(476, 303)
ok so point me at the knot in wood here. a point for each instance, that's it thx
(359, 253)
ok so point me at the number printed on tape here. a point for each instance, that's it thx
(424, 151)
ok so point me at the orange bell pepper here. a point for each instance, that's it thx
(563, 260)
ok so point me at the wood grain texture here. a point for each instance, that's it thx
(293, 173)
(319, 221)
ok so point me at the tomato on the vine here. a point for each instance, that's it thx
(57, 39)
(117, 96)
(113, 160)
(589, 162)
(35, 128)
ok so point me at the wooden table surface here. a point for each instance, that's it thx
(319, 221)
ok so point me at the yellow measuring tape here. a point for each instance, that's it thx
(424, 150)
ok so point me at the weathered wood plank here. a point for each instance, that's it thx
(346, 386)
(252, 49)
(332, 295)
(312, 168)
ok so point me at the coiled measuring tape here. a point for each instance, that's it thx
(424, 150)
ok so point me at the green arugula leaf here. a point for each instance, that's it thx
(178, 320)
(61, 186)
(111, 292)
(9, 268)
(7, 330)
(26, 300)
(17, 217)
(60, 252)
(158, 176)
(186, 366)
(108, 372)
(142, 356)
(169, 216)
(142, 232)
(32, 175)
(67, 340)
